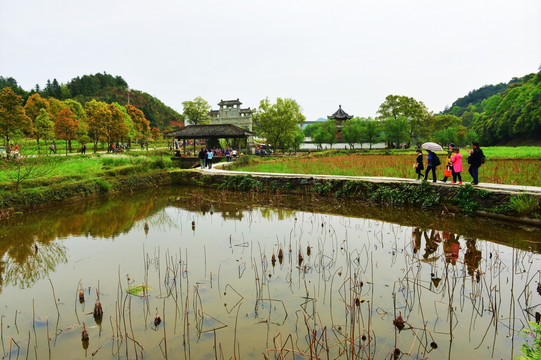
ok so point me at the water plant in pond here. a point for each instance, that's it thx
(218, 291)
(531, 349)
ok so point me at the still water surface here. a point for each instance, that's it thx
(464, 287)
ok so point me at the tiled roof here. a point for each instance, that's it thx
(219, 131)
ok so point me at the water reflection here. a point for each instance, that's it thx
(224, 271)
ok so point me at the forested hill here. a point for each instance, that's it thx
(503, 113)
(107, 88)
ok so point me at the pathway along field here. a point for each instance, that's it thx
(498, 171)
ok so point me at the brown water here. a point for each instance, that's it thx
(463, 285)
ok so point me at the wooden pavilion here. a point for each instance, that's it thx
(218, 131)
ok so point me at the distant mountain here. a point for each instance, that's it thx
(107, 88)
(503, 113)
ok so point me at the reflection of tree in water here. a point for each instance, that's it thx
(22, 269)
(159, 221)
(21, 265)
(281, 213)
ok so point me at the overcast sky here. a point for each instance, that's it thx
(320, 53)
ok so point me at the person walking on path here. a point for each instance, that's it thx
(419, 167)
(433, 162)
(448, 165)
(202, 158)
(209, 159)
(52, 149)
(83, 149)
(456, 163)
(475, 159)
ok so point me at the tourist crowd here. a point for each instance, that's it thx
(452, 166)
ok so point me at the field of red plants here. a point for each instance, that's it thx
(499, 171)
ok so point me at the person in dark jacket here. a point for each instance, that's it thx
(474, 159)
(202, 158)
(430, 166)
(419, 167)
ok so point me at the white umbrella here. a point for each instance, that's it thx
(432, 146)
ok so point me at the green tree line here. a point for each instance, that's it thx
(105, 88)
(502, 113)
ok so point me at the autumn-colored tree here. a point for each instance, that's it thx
(96, 114)
(13, 119)
(115, 127)
(142, 125)
(55, 106)
(43, 126)
(66, 126)
(155, 134)
(80, 115)
(34, 104)
(131, 132)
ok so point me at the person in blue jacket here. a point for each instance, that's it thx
(431, 165)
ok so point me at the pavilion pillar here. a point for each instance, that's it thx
(184, 146)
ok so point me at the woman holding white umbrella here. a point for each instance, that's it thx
(433, 159)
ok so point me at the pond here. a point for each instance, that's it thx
(233, 275)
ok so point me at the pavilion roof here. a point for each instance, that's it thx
(230, 102)
(218, 131)
(340, 114)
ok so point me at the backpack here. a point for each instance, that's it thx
(483, 157)
(435, 160)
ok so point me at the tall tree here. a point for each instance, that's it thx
(55, 106)
(13, 119)
(44, 127)
(278, 122)
(197, 111)
(66, 126)
(156, 134)
(396, 130)
(131, 131)
(97, 114)
(372, 131)
(325, 133)
(415, 112)
(352, 132)
(80, 115)
(115, 127)
(34, 104)
(142, 125)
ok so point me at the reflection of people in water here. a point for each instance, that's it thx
(431, 243)
(451, 247)
(472, 256)
(416, 236)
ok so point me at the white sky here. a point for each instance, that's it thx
(320, 53)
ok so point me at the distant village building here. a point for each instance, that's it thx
(231, 113)
(340, 117)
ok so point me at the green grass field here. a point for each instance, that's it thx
(47, 167)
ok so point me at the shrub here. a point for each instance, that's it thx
(465, 200)
(533, 351)
(104, 185)
(524, 204)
